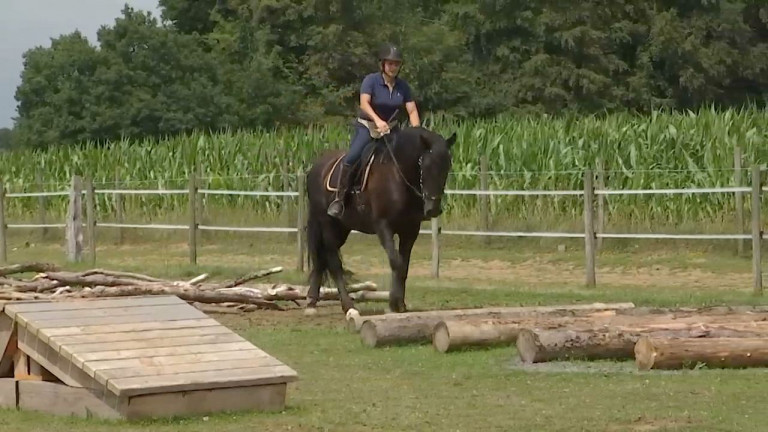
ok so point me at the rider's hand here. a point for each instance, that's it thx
(382, 126)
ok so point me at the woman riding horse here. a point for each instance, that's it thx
(382, 94)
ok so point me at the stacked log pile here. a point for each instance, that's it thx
(51, 283)
(655, 338)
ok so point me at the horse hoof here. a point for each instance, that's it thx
(310, 311)
(353, 314)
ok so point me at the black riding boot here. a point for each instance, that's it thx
(336, 209)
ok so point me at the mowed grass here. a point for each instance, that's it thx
(345, 386)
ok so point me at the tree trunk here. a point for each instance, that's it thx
(678, 353)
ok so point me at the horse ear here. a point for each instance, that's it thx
(451, 139)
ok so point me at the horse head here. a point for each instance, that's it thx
(435, 163)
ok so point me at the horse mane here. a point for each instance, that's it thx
(394, 142)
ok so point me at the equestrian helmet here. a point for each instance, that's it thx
(390, 52)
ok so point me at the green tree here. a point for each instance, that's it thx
(6, 137)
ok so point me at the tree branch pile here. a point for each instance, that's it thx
(52, 283)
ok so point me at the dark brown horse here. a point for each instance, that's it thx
(400, 183)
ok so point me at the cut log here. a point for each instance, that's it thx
(685, 353)
(387, 333)
(190, 295)
(617, 342)
(30, 286)
(452, 334)
(27, 268)
(418, 327)
(354, 323)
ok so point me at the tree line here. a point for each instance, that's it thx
(249, 64)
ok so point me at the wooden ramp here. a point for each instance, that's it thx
(131, 357)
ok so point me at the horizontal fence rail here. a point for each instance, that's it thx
(589, 193)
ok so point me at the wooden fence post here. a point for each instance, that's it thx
(90, 217)
(3, 243)
(119, 206)
(300, 223)
(435, 247)
(74, 225)
(485, 199)
(600, 202)
(757, 233)
(193, 217)
(589, 227)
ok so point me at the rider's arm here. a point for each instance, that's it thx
(365, 105)
(366, 90)
(413, 113)
(410, 106)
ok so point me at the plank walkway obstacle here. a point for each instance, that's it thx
(129, 358)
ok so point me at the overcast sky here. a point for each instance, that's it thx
(25, 24)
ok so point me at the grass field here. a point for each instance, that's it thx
(344, 386)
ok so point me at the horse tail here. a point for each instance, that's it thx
(318, 261)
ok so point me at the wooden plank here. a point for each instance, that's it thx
(152, 343)
(171, 315)
(13, 308)
(155, 312)
(202, 380)
(7, 345)
(104, 376)
(92, 367)
(57, 341)
(252, 398)
(6, 330)
(46, 334)
(29, 345)
(79, 358)
(7, 393)
(60, 399)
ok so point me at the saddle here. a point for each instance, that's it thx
(359, 177)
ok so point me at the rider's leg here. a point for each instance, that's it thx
(359, 140)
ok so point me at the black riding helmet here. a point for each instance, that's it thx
(390, 52)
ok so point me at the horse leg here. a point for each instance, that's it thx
(387, 239)
(397, 292)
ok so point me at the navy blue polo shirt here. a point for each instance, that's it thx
(384, 102)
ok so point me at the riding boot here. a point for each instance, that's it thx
(336, 209)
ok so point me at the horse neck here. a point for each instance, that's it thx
(408, 158)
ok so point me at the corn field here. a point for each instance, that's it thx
(663, 150)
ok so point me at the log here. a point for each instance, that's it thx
(120, 274)
(431, 318)
(252, 276)
(418, 327)
(451, 335)
(30, 286)
(92, 280)
(685, 353)
(388, 333)
(616, 342)
(188, 294)
(459, 333)
(35, 267)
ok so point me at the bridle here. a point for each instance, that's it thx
(419, 192)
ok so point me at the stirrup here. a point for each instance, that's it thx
(336, 208)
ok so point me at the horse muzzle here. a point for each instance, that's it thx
(432, 208)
